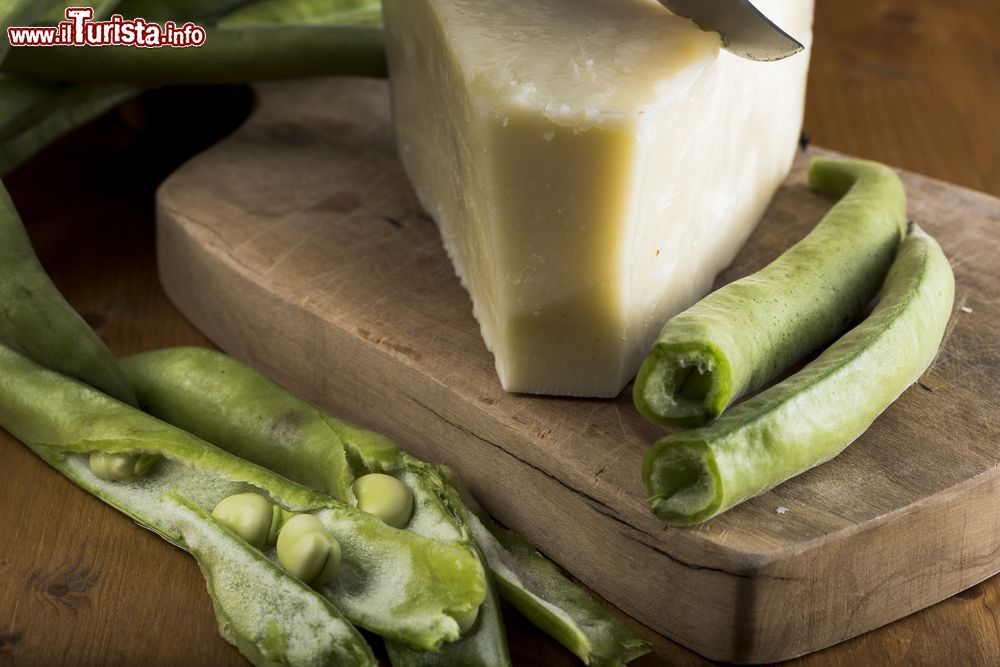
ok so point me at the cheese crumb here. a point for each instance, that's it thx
(781, 510)
(965, 309)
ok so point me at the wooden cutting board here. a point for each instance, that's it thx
(297, 245)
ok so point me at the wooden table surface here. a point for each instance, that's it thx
(914, 83)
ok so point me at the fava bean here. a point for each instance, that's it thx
(307, 551)
(121, 467)
(385, 497)
(251, 516)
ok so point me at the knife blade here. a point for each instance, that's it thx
(745, 30)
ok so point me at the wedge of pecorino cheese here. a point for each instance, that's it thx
(592, 166)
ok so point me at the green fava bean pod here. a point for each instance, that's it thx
(272, 618)
(230, 55)
(189, 386)
(34, 114)
(401, 585)
(742, 335)
(37, 321)
(336, 12)
(484, 639)
(537, 588)
(205, 393)
(238, 409)
(813, 415)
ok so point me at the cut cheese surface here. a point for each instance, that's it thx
(592, 166)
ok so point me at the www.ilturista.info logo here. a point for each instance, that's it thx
(79, 29)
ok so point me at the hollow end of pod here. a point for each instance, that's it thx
(683, 385)
(683, 481)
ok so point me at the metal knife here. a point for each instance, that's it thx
(745, 30)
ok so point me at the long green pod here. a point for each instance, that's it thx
(179, 10)
(195, 389)
(485, 644)
(102, 9)
(18, 98)
(231, 406)
(33, 114)
(396, 583)
(438, 507)
(229, 55)
(813, 415)
(18, 13)
(537, 588)
(236, 408)
(340, 12)
(34, 317)
(36, 320)
(737, 338)
(269, 615)
(51, 112)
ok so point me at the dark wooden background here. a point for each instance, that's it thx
(914, 83)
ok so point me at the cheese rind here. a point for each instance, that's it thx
(592, 166)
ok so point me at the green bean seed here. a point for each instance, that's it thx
(120, 467)
(251, 516)
(385, 497)
(737, 338)
(307, 550)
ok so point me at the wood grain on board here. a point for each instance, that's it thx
(297, 245)
(915, 83)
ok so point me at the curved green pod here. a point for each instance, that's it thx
(742, 335)
(398, 584)
(813, 415)
(36, 320)
(536, 587)
(193, 388)
(269, 615)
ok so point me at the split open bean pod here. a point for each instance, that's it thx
(237, 408)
